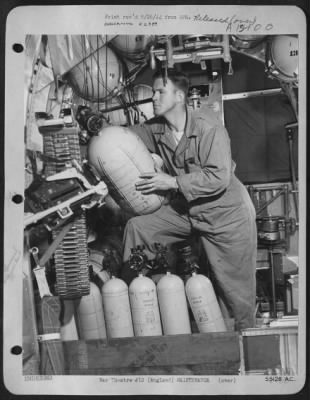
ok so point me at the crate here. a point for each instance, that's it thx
(194, 354)
(272, 350)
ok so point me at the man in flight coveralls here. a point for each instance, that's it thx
(210, 200)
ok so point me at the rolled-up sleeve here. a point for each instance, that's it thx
(212, 171)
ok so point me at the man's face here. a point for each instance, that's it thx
(165, 97)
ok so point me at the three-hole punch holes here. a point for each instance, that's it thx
(16, 350)
(17, 198)
(18, 48)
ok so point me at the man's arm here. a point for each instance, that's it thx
(215, 170)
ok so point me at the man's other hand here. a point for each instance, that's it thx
(156, 181)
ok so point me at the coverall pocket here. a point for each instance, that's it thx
(233, 221)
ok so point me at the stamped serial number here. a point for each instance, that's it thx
(38, 378)
(279, 379)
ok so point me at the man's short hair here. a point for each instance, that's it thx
(179, 79)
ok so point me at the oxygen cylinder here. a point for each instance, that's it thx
(144, 307)
(120, 157)
(68, 330)
(89, 315)
(117, 308)
(204, 305)
(173, 305)
(143, 296)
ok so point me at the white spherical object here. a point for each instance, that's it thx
(282, 57)
(95, 77)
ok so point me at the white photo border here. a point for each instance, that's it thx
(92, 19)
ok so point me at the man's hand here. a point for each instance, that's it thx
(156, 181)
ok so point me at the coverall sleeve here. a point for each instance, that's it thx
(144, 131)
(212, 174)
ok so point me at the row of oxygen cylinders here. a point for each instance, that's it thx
(147, 309)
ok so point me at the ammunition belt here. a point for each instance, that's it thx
(71, 256)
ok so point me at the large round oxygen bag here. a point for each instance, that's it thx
(120, 157)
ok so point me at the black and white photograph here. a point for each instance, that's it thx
(155, 200)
